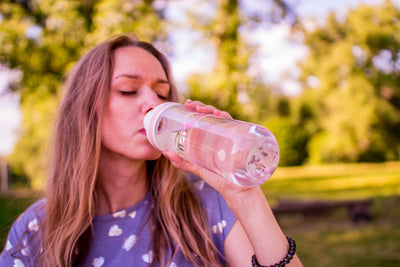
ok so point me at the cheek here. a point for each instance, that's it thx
(118, 120)
(112, 119)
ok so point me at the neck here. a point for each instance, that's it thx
(121, 183)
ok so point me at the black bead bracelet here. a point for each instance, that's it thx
(289, 256)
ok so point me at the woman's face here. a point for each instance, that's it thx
(138, 84)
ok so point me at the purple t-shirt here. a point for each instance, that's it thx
(122, 238)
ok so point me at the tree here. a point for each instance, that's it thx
(228, 85)
(351, 102)
(221, 86)
(43, 39)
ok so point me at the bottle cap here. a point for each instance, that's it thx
(152, 119)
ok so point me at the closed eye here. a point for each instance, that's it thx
(127, 92)
(162, 97)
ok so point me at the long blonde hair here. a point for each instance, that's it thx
(179, 220)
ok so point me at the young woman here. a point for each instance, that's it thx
(114, 200)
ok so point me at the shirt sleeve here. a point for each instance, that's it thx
(21, 247)
(219, 215)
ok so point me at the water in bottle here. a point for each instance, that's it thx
(246, 154)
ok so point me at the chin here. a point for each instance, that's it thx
(154, 155)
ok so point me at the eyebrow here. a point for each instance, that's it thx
(138, 77)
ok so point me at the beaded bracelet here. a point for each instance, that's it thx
(286, 259)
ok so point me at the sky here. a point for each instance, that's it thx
(282, 57)
(10, 115)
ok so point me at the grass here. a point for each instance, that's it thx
(323, 241)
(333, 240)
(334, 182)
(11, 206)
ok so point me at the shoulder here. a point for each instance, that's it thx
(29, 220)
(220, 216)
(26, 226)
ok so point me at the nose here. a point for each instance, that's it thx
(150, 100)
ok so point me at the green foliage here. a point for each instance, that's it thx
(124, 16)
(221, 87)
(291, 141)
(356, 64)
(64, 30)
(228, 86)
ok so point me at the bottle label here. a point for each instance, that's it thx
(180, 138)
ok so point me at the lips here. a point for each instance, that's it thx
(142, 131)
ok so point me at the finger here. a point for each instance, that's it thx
(207, 109)
(194, 105)
(203, 108)
(224, 114)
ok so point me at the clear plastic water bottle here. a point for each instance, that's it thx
(247, 154)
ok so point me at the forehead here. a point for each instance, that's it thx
(137, 61)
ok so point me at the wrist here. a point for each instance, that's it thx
(288, 257)
(246, 199)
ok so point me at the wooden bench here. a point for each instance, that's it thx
(358, 210)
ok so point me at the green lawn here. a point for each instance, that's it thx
(11, 206)
(332, 239)
(325, 240)
(334, 182)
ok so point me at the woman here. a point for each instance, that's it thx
(114, 200)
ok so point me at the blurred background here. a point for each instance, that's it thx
(323, 76)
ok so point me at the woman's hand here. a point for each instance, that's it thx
(226, 188)
(199, 107)
(257, 231)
